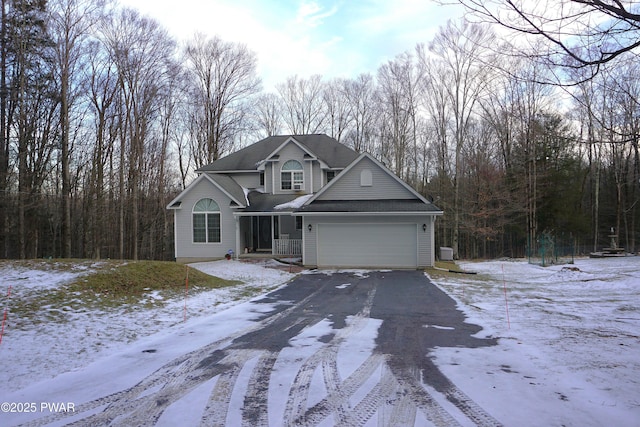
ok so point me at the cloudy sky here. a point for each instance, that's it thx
(335, 38)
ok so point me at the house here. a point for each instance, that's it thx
(307, 196)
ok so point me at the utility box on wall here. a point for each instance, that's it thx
(446, 254)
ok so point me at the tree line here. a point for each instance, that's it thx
(104, 118)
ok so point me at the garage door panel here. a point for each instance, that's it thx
(367, 245)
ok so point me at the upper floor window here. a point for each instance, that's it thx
(206, 221)
(292, 176)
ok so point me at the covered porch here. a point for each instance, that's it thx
(269, 233)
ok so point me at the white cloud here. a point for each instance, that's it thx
(334, 39)
(311, 14)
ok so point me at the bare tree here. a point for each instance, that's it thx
(102, 93)
(360, 94)
(70, 23)
(397, 91)
(142, 53)
(339, 114)
(222, 79)
(588, 32)
(304, 109)
(268, 114)
(456, 49)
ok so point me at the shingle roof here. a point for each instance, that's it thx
(327, 149)
(261, 202)
(230, 186)
(410, 205)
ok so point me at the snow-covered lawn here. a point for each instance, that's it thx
(568, 353)
(569, 348)
(35, 351)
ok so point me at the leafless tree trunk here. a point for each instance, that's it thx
(268, 114)
(304, 109)
(458, 48)
(70, 21)
(142, 52)
(222, 79)
(360, 94)
(339, 114)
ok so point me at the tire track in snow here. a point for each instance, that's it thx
(386, 386)
(255, 408)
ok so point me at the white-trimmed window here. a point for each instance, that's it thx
(292, 176)
(206, 221)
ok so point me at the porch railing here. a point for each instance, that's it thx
(287, 246)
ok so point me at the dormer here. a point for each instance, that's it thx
(292, 168)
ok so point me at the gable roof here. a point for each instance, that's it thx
(226, 184)
(325, 148)
(382, 167)
(416, 204)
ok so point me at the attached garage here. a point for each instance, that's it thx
(367, 245)
(367, 217)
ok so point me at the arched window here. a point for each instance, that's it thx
(206, 221)
(292, 176)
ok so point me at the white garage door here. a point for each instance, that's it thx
(367, 245)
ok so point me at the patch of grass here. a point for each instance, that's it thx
(444, 269)
(130, 282)
(448, 265)
(107, 284)
(449, 269)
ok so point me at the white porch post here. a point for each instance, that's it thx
(273, 236)
(237, 221)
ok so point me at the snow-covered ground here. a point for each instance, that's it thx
(35, 351)
(568, 353)
(569, 348)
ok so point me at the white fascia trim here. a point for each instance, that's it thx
(233, 171)
(438, 213)
(193, 184)
(377, 163)
(265, 213)
(287, 141)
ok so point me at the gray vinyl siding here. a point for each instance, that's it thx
(311, 169)
(185, 247)
(425, 256)
(318, 180)
(288, 226)
(290, 152)
(268, 178)
(348, 186)
(247, 179)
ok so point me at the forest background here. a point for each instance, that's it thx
(104, 119)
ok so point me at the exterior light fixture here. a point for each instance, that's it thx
(424, 227)
(309, 227)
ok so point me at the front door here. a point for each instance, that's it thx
(262, 232)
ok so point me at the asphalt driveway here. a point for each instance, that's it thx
(348, 349)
